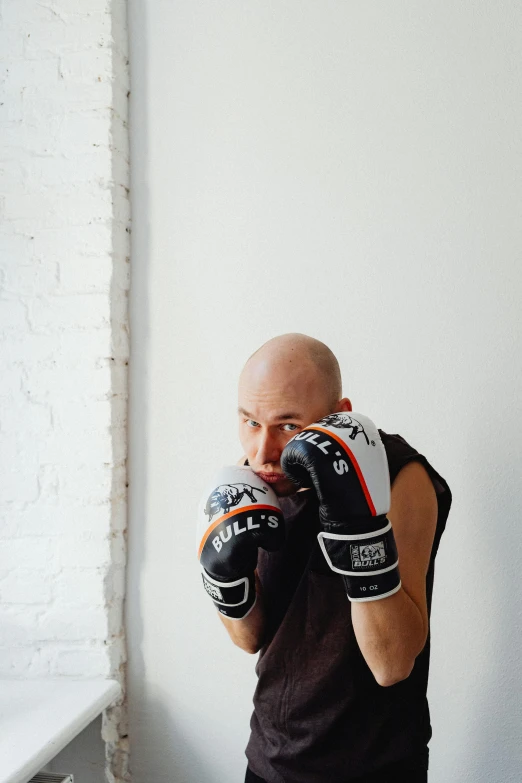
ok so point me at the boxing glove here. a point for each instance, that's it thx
(238, 514)
(343, 458)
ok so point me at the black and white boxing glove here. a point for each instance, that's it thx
(238, 514)
(343, 458)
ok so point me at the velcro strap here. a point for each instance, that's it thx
(355, 555)
(233, 599)
(372, 587)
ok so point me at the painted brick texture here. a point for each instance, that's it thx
(64, 277)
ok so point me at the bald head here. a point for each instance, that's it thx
(292, 356)
(290, 382)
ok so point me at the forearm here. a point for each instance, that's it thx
(248, 633)
(390, 633)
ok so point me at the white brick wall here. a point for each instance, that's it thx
(64, 276)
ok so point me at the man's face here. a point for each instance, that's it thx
(274, 404)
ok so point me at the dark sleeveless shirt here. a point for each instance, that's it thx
(319, 714)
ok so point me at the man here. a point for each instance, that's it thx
(341, 694)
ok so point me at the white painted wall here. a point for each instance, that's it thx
(351, 171)
(64, 267)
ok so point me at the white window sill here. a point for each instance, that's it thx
(38, 718)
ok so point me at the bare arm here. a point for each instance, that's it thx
(393, 631)
(248, 633)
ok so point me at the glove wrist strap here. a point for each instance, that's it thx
(372, 588)
(367, 561)
(234, 599)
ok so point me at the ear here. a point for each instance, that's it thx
(343, 405)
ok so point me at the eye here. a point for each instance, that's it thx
(293, 427)
(251, 423)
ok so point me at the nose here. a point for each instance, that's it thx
(268, 449)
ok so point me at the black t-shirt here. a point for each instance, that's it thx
(319, 714)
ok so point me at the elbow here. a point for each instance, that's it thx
(248, 647)
(396, 664)
(249, 644)
(386, 676)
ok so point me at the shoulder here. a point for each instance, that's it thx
(420, 499)
(400, 454)
(413, 487)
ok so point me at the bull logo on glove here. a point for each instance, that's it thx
(368, 555)
(345, 421)
(226, 496)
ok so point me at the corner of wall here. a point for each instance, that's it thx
(114, 726)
